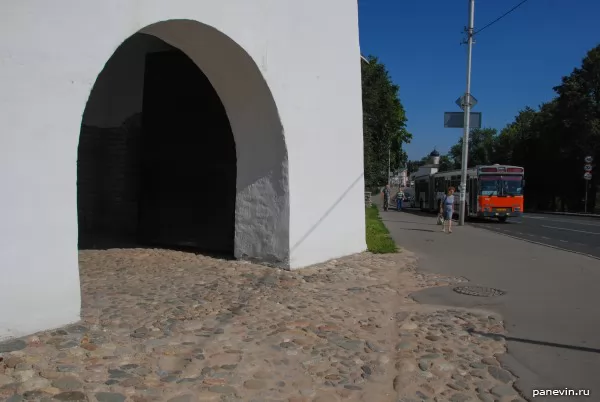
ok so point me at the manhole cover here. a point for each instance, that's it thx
(478, 291)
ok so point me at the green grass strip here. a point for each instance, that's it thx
(379, 240)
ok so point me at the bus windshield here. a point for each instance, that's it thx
(501, 185)
(489, 185)
(512, 185)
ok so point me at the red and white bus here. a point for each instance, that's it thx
(494, 191)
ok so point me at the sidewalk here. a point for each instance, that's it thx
(171, 326)
(550, 296)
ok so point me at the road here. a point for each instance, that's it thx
(577, 234)
(551, 306)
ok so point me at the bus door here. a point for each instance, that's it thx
(473, 191)
(432, 194)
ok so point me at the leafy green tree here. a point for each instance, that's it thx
(384, 123)
(508, 149)
(482, 142)
(447, 163)
(578, 110)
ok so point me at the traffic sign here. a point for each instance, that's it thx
(466, 99)
(587, 176)
(589, 159)
(587, 168)
(457, 120)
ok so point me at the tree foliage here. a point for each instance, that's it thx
(384, 123)
(550, 142)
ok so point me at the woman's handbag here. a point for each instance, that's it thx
(440, 219)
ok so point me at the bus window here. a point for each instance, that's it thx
(489, 185)
(456, 182)
(512, 185)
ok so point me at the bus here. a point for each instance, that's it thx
(493, 191)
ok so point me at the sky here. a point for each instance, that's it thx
(516, 62)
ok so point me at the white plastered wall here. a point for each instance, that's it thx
(50, 57)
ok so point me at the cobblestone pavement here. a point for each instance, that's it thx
(171, 326)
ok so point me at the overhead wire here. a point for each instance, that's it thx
(502, 16)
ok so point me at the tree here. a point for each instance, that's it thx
(447, 163)
(510, 140)
(481, 148)
(384, 123)
(578, 111)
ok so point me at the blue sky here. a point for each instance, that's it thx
(516, 61)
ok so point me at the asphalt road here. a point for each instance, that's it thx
(552, 304)
(571, 233)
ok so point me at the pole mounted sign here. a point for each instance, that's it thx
(457, 120)
(466, 100)
(587, 176)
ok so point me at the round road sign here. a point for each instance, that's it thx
(587, 176)
(589, 159)
(587, 168)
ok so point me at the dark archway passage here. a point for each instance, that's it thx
(157, 157)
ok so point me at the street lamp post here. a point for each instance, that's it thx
(467, 115)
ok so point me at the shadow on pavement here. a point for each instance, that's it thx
(418, 212)
(421, 230)
(533, 342)
(106, 242)
(409, 222)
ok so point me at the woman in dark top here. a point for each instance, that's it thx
(447, 209)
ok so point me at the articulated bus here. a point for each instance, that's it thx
(494, 191)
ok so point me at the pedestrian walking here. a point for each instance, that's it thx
(447, 209)
(386, 197)
(399, 199)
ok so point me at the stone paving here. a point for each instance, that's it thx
(162, 325)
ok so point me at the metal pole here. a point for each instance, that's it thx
(467, 109)
(586, 197)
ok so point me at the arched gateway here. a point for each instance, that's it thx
(181, 146)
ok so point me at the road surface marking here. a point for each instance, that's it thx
(570, 230)
(551, 246)
(546, 238)
(564, 241)
(574, 221)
